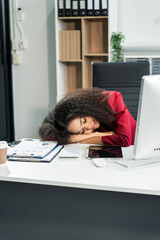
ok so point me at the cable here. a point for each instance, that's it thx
(15, 19)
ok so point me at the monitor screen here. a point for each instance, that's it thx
(147, 139)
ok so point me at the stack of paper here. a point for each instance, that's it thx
(34, 151)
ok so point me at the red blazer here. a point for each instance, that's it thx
(125, 123)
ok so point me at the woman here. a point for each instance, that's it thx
(93, 116)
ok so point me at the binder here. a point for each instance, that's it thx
(67, 5)
(82, 7)
(61, 8)
(75, 8)
(97, 8)
(90, 7)
(104, 7)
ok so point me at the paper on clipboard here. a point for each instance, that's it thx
(48, 158)
(34, 149)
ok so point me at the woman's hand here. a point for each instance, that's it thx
(85, 137)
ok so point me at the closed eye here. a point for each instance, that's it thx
(84, 121)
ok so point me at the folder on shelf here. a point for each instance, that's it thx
(82, 7)
(75, 8)
(67, 5)
(96, 8)
(90, 7)
(61, 8)
(104, 7)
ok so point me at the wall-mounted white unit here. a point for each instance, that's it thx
(154, 61)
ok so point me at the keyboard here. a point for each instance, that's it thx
(136, 163)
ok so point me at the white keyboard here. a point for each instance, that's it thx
(136, 163)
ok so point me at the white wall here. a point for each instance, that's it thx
(34, 83)
(139, 21)
(34, 80)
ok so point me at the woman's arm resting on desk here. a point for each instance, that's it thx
(93, 138)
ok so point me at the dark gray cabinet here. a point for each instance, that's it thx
(6, 101)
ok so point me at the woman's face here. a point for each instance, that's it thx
(83, 125)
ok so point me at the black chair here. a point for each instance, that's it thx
(123, 77)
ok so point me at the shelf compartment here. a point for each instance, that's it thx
(74, 76)
(71, 24)
(87, 69)
(95, 36)
(69, 45)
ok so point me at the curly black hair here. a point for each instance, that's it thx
(80, 103)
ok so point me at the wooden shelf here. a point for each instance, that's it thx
(95, 33)
(93, 17)
(82, 40)
(72, 60)
(95, 54)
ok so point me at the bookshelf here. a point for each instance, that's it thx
(79, 42)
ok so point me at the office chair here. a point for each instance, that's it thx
(124, 77)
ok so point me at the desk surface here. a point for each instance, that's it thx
(81, 173)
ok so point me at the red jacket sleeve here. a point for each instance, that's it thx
(125, 123)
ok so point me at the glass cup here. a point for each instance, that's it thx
(3, 152)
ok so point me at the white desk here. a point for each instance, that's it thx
(59, 200)
(81, 173)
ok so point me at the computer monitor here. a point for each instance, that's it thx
(147, 139)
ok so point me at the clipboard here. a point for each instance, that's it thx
(32, 149)
(48, 158)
